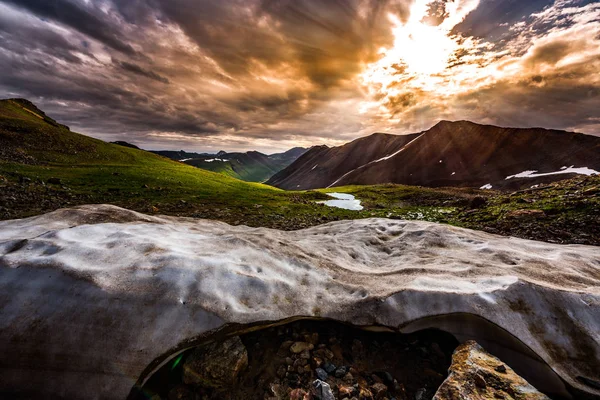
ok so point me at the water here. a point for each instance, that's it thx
(343, 200)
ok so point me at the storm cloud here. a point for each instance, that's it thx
(271, 74)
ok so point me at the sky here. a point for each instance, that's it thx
(269, 75)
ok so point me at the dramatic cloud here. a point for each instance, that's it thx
(272, 74)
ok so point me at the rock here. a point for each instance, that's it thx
(321, 374)
(121, 279)
(340, 372)
(323, 390)
(217, 364)
(299, 347)
(329, 367)
(379, 390)
(422, 395)
(525, 214)
(348, 378)
(474, 375)
(365, 394)
(477, 202)
(501, 368)
(299, 394)
(54, 181)
(181, 392)
(346, 390)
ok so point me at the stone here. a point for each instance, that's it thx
(323, 390)
(477, 202)
(473, 376)
(321, 374)
(379, 390)
(299, 347)
(365, 394)
(300, 394)
(181, 392)
(525, 214)
(340, 372)
(217, 364)
(422, 395)
(329, 367)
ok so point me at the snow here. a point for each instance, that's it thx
(216, 159)
(185, 159)
(343, 200)
(91, 296)
(563, 170)
(487, 186)
(314, 167)
(454, 173)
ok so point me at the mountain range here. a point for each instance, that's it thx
(462, 153)
(251, 166)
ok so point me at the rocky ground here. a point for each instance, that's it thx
(309, 359)
(324, 360)
(561, 212)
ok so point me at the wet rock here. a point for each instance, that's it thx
(217, 364)
(474, 375)
(329, 367)
(323, 390)
(321, 374)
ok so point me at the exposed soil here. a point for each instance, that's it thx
(355, 363)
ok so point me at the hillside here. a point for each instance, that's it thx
(251, 166)
(462, 154)
(45, 166)
(322, 165)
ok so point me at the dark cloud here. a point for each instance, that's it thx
(136, 69)
(87, 21)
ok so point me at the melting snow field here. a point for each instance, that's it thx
(563, 170)
(343, 200)
(92, 295)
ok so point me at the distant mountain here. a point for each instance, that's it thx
(251, 166)
(449, 154)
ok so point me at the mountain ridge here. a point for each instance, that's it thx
(451, 153)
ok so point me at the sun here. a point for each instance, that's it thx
(421, 50)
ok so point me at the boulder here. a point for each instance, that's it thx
(217, 364)
(476, 374)
(95, 299)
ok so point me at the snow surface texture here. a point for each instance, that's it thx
(92, 296)
(343, 200)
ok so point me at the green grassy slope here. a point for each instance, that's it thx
(45, 166)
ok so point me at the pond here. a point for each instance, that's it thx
(343, 200)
